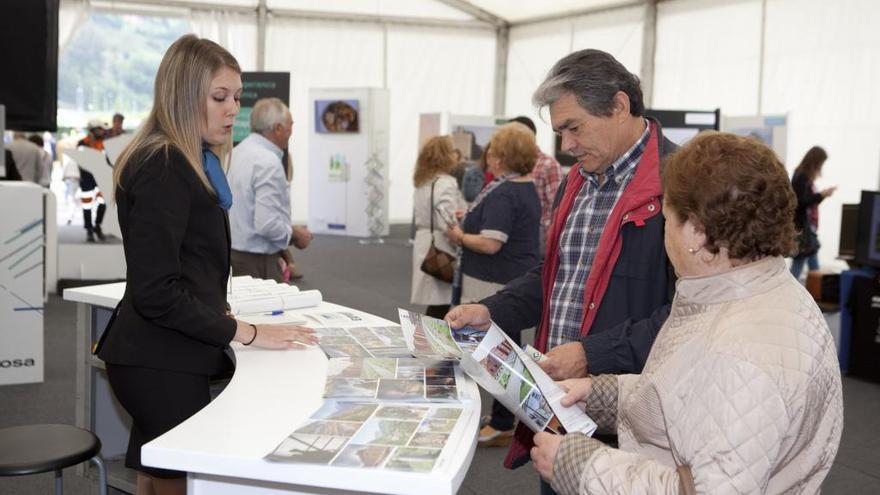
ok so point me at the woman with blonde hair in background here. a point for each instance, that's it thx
(169, 334)
(437, 198)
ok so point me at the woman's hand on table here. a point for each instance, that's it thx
(281, 336)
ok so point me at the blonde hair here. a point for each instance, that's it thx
(514, 146)
(179, 106)
(436, 157)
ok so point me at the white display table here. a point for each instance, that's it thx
(272, 392)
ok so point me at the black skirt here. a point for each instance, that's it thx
(157, 401)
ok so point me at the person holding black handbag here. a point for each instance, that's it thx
(436, 201)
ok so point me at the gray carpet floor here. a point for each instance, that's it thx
(376, 278)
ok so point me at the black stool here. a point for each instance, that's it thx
(36, 449)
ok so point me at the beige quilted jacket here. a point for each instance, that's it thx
(742, 385)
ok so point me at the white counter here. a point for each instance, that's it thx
(271, 394)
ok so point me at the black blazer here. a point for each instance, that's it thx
(176, 240)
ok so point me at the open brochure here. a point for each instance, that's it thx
(501, 367)
(431, 338)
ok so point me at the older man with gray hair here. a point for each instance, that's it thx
(605, 285)
(259, 218)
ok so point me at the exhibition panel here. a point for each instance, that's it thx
(772, 130)
(21, 283)
(348, 162)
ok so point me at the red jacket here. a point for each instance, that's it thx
(638, 202)
(630, 267)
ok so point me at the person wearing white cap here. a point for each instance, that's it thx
(91, 197)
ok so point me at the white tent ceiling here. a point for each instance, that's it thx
(522, 11)
(491, 13)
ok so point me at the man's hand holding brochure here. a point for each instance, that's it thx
(501, 367)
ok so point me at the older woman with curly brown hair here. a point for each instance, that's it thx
(435, 202)
(499, 233)
(741, 392)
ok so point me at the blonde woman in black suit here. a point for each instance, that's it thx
(171, 328)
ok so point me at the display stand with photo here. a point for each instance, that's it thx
(348, 161)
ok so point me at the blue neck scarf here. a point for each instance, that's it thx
(217, 178)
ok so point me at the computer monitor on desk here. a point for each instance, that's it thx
(868, 238)
(849, 232)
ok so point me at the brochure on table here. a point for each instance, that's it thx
(392, 380)
(379, 413)
(348, 161)
(501, 367)
(383, 409)
(257, 298)
(374, 435)
(365, 342)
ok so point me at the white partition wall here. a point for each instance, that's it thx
(348, 161)
(708, 55)
(21, 283)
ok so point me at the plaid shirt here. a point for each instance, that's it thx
(580, 239)
(547, 176)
